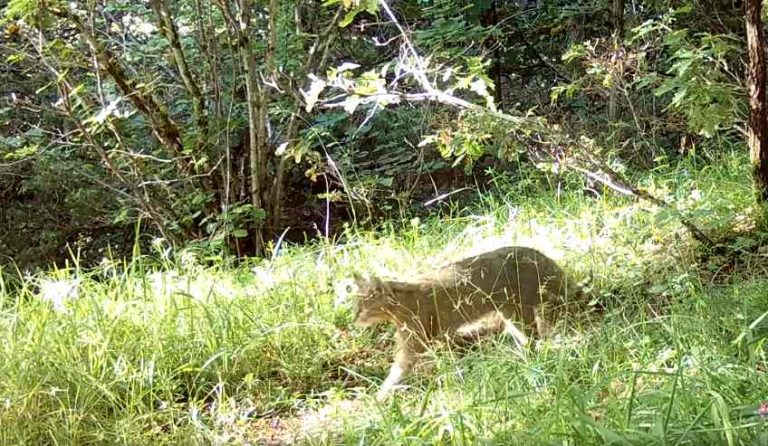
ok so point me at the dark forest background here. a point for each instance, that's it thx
(189, 120)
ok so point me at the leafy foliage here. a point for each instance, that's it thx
(155, 113)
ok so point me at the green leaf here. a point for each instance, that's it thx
(22, 153)
(371, 6)
(555, 93)
(351, 103)
(576, 51)
(350, 16)
(259, 214)
(20, 9)
(239, 233)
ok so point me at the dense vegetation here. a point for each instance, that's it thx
(179, 119)
(187, 186)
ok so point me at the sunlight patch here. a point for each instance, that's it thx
(331, 418)
(200, 285)
(58, 292)
(344, 291)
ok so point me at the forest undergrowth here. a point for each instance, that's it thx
(159, 349)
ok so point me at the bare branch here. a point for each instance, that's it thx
(181, 180)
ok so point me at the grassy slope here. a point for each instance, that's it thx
(205, 355)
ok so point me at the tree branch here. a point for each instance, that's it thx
(168, 28)
(163, 127)
(584, 160)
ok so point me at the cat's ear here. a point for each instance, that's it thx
(376, 283)
(359, 280)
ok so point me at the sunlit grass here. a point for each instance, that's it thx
(162, 351)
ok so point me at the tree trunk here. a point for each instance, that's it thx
(255, 124)
(275, 208)
(757, 128)
(490, 18)
(617, 7)
(168, 28)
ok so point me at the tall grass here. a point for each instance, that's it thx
(161, 351)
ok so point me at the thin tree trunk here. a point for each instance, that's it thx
(617, 7)
(255, 126)
(318, 56)
(490, 19)
(265, 149)
(757, 127)
(168, 28)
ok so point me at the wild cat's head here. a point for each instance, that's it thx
(374, 301)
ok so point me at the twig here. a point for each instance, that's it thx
(182, 180)
(611, 179)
